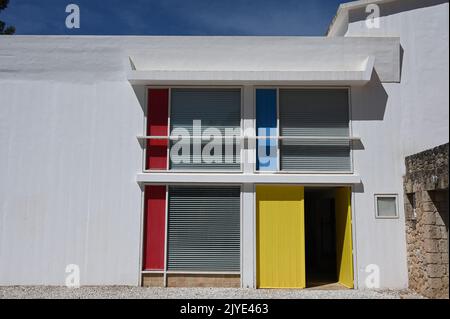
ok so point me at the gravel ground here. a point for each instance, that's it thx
(194, 293)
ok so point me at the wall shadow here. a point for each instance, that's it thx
(369, 101)
(358, 188)
(140, 93)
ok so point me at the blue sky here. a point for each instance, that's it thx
(174, 17)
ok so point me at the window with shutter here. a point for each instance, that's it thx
(204, 228)
(217, 110)
(312, 121)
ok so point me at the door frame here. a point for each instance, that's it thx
(354, 236)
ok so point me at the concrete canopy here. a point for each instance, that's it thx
(298, 61)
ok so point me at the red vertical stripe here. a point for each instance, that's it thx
(155, 225)
(157, 122)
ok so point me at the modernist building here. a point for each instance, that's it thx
(220, 161)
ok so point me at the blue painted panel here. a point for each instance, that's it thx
(266, 125)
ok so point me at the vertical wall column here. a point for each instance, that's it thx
(157, 125)
(154, 227)
(248, 196)
(248, 238)
(266, 125)
(248, 125)
(153, 257)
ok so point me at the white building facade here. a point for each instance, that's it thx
(314, 190)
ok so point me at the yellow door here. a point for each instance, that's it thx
(280, 237)
(344, 250)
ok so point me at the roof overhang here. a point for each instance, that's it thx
(313, 61)
(356, 77)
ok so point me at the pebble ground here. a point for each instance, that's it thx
(114, 292)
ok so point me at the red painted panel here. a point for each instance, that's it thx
(154, 227)
(157, 122)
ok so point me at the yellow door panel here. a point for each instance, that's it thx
(280, 237)
(344, 248)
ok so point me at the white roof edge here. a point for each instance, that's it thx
(341, 17)
(154, 77)
(358, 74)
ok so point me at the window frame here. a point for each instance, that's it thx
(350, 126)
(207, 186)
(386, 195)
(170, 87)
(165, 272)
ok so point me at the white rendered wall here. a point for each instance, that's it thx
(68, 194)
(395, 120)
(423, 95)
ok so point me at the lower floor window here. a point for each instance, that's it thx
(203, 228)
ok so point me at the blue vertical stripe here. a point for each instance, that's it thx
(266, 125)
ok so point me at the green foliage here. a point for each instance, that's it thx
(3, 4)
(3, 28)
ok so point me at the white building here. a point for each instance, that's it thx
(78, 152)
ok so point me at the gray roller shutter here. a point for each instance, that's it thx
(216, 108)
(204, 228)
(315, 113)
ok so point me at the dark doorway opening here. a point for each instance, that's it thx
(320, 237)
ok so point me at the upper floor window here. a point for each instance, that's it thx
(303, 130)
(307, 130)
(204, 128)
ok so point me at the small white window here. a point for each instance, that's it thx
(386, 206)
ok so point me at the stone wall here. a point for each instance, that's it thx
(426, 209)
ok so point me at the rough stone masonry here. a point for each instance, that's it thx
(426, 208)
